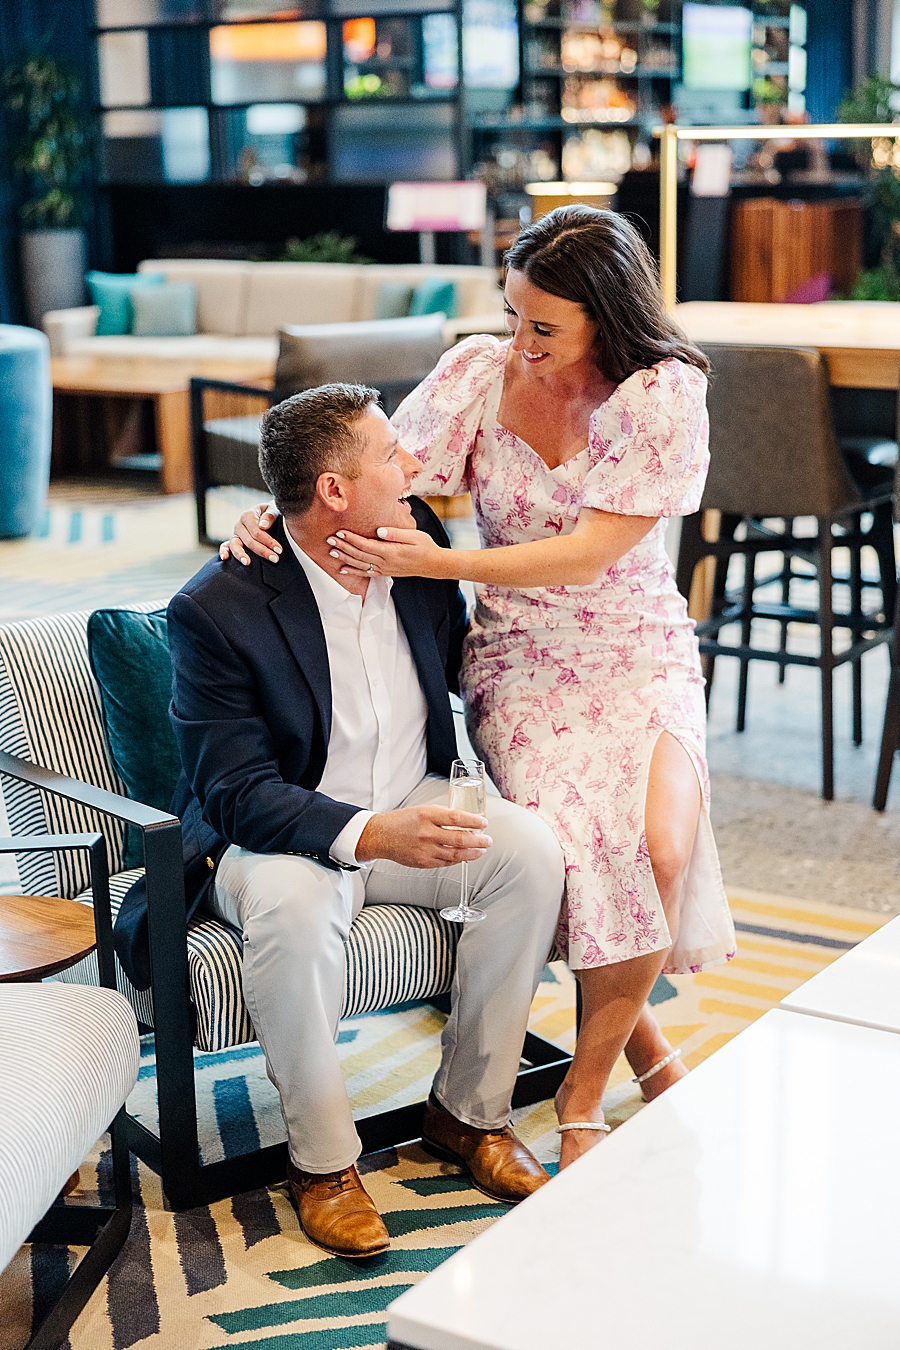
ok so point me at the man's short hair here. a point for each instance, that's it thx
(310, 434)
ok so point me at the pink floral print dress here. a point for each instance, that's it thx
(568, 688)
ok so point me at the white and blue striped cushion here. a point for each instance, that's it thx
(394, 953)
(68, 1059)
(50, 715)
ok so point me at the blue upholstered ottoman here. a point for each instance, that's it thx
(25, 427)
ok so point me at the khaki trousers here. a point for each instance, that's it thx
(295, 917)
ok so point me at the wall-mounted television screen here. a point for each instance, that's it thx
(716, 42)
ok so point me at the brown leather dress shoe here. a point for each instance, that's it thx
(499, 1164)
(337, 1213)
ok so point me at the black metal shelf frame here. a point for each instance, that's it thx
(334, 96)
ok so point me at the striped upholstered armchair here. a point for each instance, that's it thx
(58, 779)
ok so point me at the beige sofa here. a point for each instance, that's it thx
(242, 305)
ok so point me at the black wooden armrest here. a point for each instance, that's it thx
(163, 865)
(109, 803)
(200, 382)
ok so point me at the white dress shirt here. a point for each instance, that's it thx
(376, 751)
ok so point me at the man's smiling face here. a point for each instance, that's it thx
(378, 495)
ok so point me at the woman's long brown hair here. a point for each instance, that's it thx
(598, 260)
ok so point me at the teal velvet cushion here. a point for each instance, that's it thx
(435, 296)
(112, 292)
(164, 311)
(129, 655)
(393, 300)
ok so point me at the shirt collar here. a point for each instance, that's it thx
(329, 594)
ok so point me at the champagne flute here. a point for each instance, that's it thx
(467, 793)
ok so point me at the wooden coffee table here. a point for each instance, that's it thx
(41, 935)
(165, 382)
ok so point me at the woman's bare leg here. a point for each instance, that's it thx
(613, 997)
(645, 1047)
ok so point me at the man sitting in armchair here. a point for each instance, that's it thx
(312, 714)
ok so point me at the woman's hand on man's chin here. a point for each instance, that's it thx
(395, 553)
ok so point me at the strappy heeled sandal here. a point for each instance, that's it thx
(584, 1125)
(662, 1064)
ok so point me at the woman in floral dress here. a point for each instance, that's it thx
(577, 440)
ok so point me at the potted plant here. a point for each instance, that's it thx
(51, 154)
(878, 100)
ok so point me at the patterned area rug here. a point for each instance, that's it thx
(240, 1272)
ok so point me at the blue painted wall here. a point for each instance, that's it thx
(61, 29)
(829, 56)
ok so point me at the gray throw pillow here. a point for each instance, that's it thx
(393, 300)
(172, 311)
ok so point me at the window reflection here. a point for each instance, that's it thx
(265, 143)
(223, 10)
(275, 62)
(352, 7)
(490, 44)
(124, 70)
(379, 58)
(399, 57)
(383, 143)
(440, 54)
(135, 13)
(149, 146)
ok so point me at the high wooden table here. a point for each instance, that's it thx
(164, 382)
(860, 342)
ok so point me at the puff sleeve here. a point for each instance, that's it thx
(649, 444)
(440, 420)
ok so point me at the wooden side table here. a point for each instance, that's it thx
(41, 935)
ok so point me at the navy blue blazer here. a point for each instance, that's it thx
(251, 710)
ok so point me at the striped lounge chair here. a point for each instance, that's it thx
(58, 779)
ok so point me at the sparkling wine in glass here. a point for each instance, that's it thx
(467, 793)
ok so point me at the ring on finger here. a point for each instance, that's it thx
(371, 569)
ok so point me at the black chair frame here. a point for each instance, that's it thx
(102, 1228)
(175, 1153)
(199, 460)
(391, 394)
(867, 630)
(890, 734)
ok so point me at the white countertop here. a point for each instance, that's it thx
(862, 987)
(754, 1206)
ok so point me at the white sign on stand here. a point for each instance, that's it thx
(436, 208)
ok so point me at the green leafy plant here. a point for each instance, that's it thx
(881, 283)
(874, 100)
(767, 91)
(871, 101)
(329, 247)
(52, 148)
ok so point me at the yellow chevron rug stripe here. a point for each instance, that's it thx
(241, 1273)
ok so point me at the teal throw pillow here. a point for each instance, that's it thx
(393, 300)
(164, 311)
(112, 292)
(435, 296)
(129, 655)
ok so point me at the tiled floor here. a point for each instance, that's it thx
(103, 544)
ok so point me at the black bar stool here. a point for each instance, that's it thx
(775, 458)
